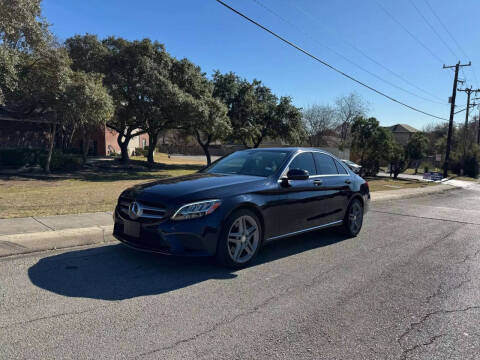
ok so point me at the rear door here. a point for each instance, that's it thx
(333, 181)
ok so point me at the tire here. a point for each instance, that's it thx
(353, 220)
(240, 239)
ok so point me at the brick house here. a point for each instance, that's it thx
(104, 142)
(34, 133)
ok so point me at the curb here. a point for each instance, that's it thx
(61, 239)
(53, 240)
(411, 193)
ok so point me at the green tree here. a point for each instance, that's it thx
(213, 125)
(398, 158)
(371, 142)
(87, 104)
(42, 80)
(416, 149)
(22, 30)
(129, 66)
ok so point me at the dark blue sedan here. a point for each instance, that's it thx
(229, 209)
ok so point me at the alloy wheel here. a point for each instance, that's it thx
(243, 239)
(355, 217)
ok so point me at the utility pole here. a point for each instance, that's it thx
(478, 130)
(467, 110)
(452, 113)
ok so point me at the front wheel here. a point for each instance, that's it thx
(240, 240)
(353, 221)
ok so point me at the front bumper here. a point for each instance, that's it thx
(194, 237)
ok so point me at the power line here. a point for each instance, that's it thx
(325, 63)
(344, 57)
(360, 51)
(451, 37)
(410, 33)
(433, 29)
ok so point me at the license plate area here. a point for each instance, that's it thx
(131, 228)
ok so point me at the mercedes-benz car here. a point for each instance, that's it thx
(243, 200)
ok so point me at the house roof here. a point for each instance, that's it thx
(402, 128)
(9, 116)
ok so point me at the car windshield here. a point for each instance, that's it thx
(254, 163)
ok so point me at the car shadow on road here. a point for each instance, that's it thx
(116, 272)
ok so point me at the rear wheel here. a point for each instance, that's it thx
(240, 240)
(353, 221)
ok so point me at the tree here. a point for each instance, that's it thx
(129, 66)
(416, 149)
(22, 30)
(371, 142)
(42, 81)
(86, 102)
(348, 108)
(88, 54)
(398, 159)
(320, 121)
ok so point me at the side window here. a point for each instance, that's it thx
(340, 168)
(304, 161)
(325, 164)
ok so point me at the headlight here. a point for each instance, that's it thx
(196, 210)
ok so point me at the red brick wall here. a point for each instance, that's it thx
(16, 134)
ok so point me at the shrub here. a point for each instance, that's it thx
(141, 151)
(18, 157)
(61, 161)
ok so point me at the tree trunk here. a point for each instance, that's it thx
(152, 143)
(50, 148)
(207, 153)
(205, 146)
(123, 147)
(258, 142)
(85, 146)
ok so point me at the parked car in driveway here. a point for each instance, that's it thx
(354, 167)
(229, 209)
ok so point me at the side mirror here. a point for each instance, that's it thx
(297, 174)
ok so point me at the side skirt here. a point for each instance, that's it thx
(335, 223)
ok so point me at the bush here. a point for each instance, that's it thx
(141, 151)
(370, 167)
(468, 163)
(61, 161)
(18, 157)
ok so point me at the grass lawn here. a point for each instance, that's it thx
(163, 158)
(384, 184)
(86, 191)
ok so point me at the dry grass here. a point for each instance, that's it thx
(21, 197)
(384, 184)
(174, 160)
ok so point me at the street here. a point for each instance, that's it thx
(406, 288)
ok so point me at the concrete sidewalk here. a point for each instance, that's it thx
(31, 234)
(25, 235)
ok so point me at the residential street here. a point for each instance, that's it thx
(408, 287)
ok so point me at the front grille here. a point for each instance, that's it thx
(149, 212)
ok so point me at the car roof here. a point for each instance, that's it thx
(288, 149)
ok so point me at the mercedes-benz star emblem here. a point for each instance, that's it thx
(135, 210)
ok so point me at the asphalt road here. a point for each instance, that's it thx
(406, 288)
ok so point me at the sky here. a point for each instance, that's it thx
(397, 47)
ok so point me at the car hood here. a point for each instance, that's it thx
(193, 187)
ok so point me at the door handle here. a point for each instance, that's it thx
(348, 181)
(317, 182)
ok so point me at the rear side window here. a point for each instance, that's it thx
(325, 164)
(340, 168)
(304, 161)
